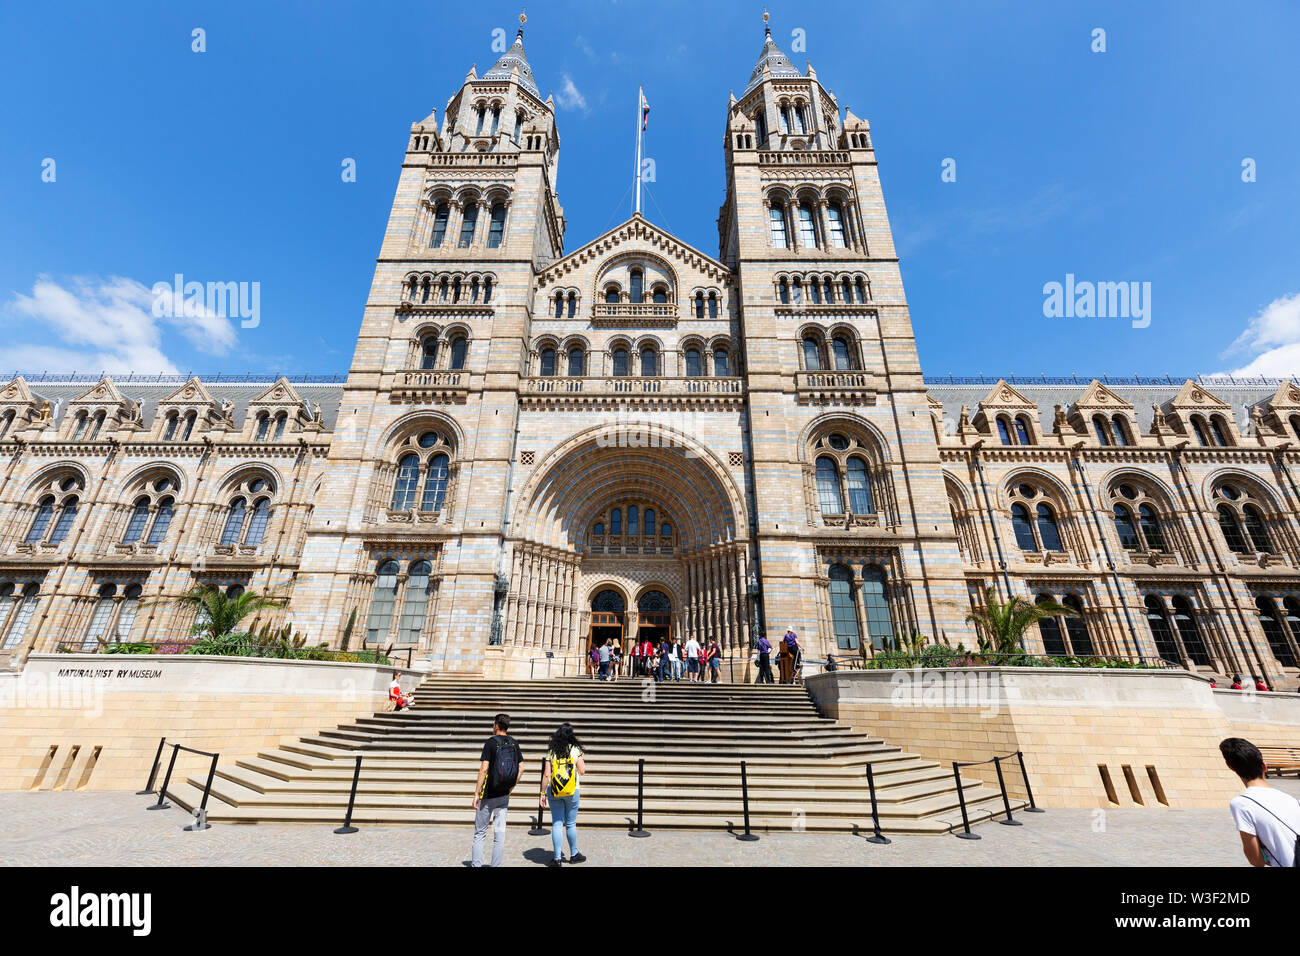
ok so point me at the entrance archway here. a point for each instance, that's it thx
(654, 617)
(608, 618)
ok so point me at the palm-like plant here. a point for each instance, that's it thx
(217, 615)
(1002, 624)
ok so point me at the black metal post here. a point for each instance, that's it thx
(201, 818)
(875, 817)
(961, 799)
(162, 791)
(537, 828)
(640, 830)
(352, 797)
(153, 772)
(744, 796)
(1033, 807)
(1009, 821)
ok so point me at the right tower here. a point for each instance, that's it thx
(854, 535)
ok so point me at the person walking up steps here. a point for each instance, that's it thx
(564, 765)
(715, 661)
(500, 769)
(692, 651)
(764, 660)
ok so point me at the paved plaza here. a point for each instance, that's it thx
(114, 829)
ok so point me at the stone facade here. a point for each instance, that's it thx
(535, 447)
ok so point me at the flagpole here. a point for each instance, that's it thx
(639, 95)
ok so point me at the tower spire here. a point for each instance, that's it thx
(512, 58)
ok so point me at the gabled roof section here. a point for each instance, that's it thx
(17, 392)
(635, 232)
(514, 59)
(1004, 396)
(192, 392)
(103, 392)
(1098, 395)
(1287, 396)
(1195, 395)
(280, 393)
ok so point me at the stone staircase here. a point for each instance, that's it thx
(804, 770)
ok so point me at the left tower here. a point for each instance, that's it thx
(397, 542)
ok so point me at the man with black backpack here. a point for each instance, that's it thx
(1268, 820)
(500, 767)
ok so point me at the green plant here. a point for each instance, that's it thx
(217, 616)
(347, 630)
(1002, 624)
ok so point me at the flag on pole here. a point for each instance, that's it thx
(645, 111)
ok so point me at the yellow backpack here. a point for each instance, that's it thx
(564, 776)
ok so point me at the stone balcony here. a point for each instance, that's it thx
(630, 544)
(431, 386)
(617, 315)
(836, 388)
(551, 389)
(803, 157)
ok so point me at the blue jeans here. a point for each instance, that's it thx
(564, 820)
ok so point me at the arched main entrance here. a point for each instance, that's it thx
(654, 617)
(608, 618)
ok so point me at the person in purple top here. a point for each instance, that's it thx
(764, 661)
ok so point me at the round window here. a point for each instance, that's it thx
(1127, 491)
(257, 484)
(1229, 491)
(838, 442)
(428, 440)
(1027, 491)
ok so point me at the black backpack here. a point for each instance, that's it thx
(504, 772)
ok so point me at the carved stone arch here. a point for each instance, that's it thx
(233, 476)
(650, 339)
(668, 443)
(1157, 487)
(420, 420)
(632, 257)
(604, 583)
(1053, 487)
(1259, 488)
(148, 472)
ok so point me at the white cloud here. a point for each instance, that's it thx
(94, 325)
(571, 97)
(1273, 337)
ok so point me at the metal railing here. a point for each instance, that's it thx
(996, 760)
(1084, 380)
(201, 811)
(950, 657)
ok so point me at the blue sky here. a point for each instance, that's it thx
(225, 165)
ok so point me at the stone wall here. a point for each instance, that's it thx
(1068, 723)
(93, 721)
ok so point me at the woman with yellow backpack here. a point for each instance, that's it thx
(564, 764)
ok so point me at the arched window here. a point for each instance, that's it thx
(468, 225)
(100, 618)
(548, 361)
(577, 360)
(616, 521)
(382, 603)
(234, 522)
(1048, 532)
(783, 292)
(496, 225)
(63, 524)
(649, 362)
(713, 305)
(611, 295)
(573, 304)
(1257, 529)
(1077, 627)
(860, 501)
(842, 352)
(812, 353)
(44, 512)
(257, 522)
(1004, 432)
(559, 305)
(440, 215)
(1120, 429)
(1274, 632)
(263, 426)
(814, 291)
(1101, 428)
(633, 520)
(637, 284)
(1295, 425)
(844, 612)
(807, 228)
(660, 294)
(1219, 429)
(459, 348)
(694, 366)
(139, 521)
(1025, 539)
(429, 352)
(1151, 530)
(1161, 631)
(1198, 426)
(190, 419)
(829, 493)
(1188, 630)
(1049, 629)
(97, 424)
(161, 522)
(1022, 430)
(415, 603)
(1127, 531)
(835, 219)
(280, 420)
(875, 607)
(21, 617)
(170, 432)
(435, 483)
(6, 423)
(650, 521)
(1231, 529)
(699, 305)
(721, 362)
(408, 477)
(126, 613)
(620, 361)
(859, 291)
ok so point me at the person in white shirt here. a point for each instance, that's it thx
(692, 650)
(1267, 819)
(674, 661)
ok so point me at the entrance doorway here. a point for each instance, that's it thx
(608, 616)
(654, 617)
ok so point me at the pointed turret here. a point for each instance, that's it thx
(514, 59)
(772, 63)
